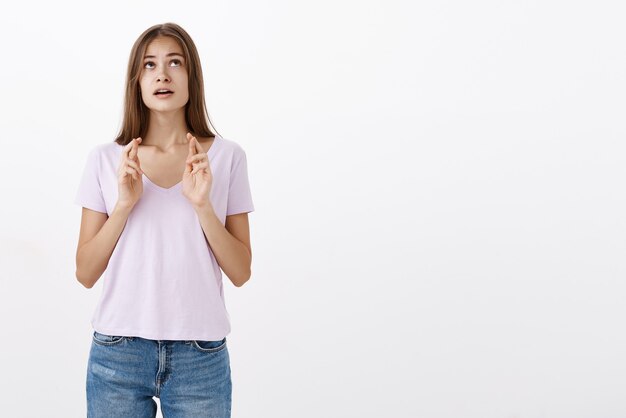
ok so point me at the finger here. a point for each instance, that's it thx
(197, 157)
(135, 165)
(128, 146)
(192, 149)
(132, 172)
(193, 141)
(201, 166)
(197, 144)
(126, 150)
(188, 167)
(133, 151)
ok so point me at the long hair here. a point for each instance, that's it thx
(136, 114)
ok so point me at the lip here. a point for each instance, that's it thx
(164, 96)
(162, 88)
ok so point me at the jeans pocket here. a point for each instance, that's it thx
(209, 346)
(104, 339)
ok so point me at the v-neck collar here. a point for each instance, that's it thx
(178, 185)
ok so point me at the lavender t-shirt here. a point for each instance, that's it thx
(162, 281)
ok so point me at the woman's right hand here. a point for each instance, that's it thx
(129, 175)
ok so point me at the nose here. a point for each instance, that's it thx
(162, 77)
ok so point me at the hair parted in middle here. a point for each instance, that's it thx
(136, 114)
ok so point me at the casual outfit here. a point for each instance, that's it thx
(162, 310)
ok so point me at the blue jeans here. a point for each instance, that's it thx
(190, 378)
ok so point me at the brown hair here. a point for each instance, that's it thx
(136, 114)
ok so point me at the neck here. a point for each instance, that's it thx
(166, 130)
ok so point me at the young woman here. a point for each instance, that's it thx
(164, 212)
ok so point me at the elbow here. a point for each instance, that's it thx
(84, 281)
(80, 274)
(86, 274)
(242, 280)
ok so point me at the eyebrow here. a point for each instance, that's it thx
(171, 54)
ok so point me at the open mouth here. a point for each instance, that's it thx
(163, 93)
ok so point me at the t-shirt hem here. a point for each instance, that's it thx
(151, 335)
(91, 206)
(238, 211)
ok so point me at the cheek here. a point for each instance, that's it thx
(143, 88)
(184, 87)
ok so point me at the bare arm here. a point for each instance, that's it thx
(98, 237)
(230, 243)
(99, 233)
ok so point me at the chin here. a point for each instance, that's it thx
(165, 107)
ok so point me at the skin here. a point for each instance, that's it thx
(167, 141)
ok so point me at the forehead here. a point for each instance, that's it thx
(163, 45)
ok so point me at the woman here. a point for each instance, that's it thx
(164, 208)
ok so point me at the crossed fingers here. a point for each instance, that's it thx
(197, 159)
(130, 162)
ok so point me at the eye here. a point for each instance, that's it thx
(178, 61)
(147, 63)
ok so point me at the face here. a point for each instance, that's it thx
(164, 68)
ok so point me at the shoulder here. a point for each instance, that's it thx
(106, 150)
(103, 155)
(230, 144)
(232, 149)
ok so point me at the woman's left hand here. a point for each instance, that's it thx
(197, 177)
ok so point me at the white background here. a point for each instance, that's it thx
(439, 223)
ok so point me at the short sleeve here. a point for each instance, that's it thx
(89, 194)
(239, 194)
